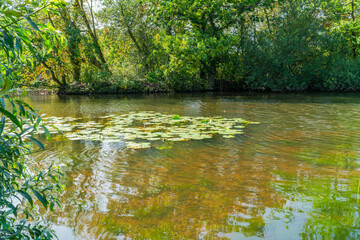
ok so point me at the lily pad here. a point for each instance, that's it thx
(138, 145)
(149, 126)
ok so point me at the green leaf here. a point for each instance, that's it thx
(2, 102)
(31, 22)
(2, 125)
(22, 109)
(9, 39)
(41, 198)
(25, 104)
(12, 117)
(13, 13)
(10, 205)
(28, 44)
(37, 142)
(47, 133)
(8, 70)
(38, 120)
(7, 85)
(13, 106)
(18, 44)
(26, 130)
(27, 196)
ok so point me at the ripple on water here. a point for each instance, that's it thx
(294, 176)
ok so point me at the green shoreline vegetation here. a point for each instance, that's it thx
(197, 45)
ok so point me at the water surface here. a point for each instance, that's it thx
(294, 176)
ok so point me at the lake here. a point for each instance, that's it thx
(293, 176)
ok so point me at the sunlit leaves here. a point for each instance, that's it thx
(20, 37)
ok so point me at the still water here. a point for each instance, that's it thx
(294, 176)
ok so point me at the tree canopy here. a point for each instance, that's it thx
(193, 45)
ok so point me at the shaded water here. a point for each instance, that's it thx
(294, 176)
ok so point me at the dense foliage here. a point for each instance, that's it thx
(140, 45)
(21, 42)
(21, 181)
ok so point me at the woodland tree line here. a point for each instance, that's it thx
(194, 45)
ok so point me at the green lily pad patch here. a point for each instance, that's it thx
(139, 129)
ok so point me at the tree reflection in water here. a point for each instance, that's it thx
(293, 176)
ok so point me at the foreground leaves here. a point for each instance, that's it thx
(22, 185)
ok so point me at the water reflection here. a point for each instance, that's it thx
(293, 176)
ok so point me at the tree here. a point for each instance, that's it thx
(206, 28)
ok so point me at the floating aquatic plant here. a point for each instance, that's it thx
(139, 129)
(138, 145)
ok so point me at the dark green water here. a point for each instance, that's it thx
(294, 176)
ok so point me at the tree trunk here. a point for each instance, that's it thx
(212, 74)
(61, 84)
(94, 37)
(352, 30)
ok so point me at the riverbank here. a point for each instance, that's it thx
(116, 90)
